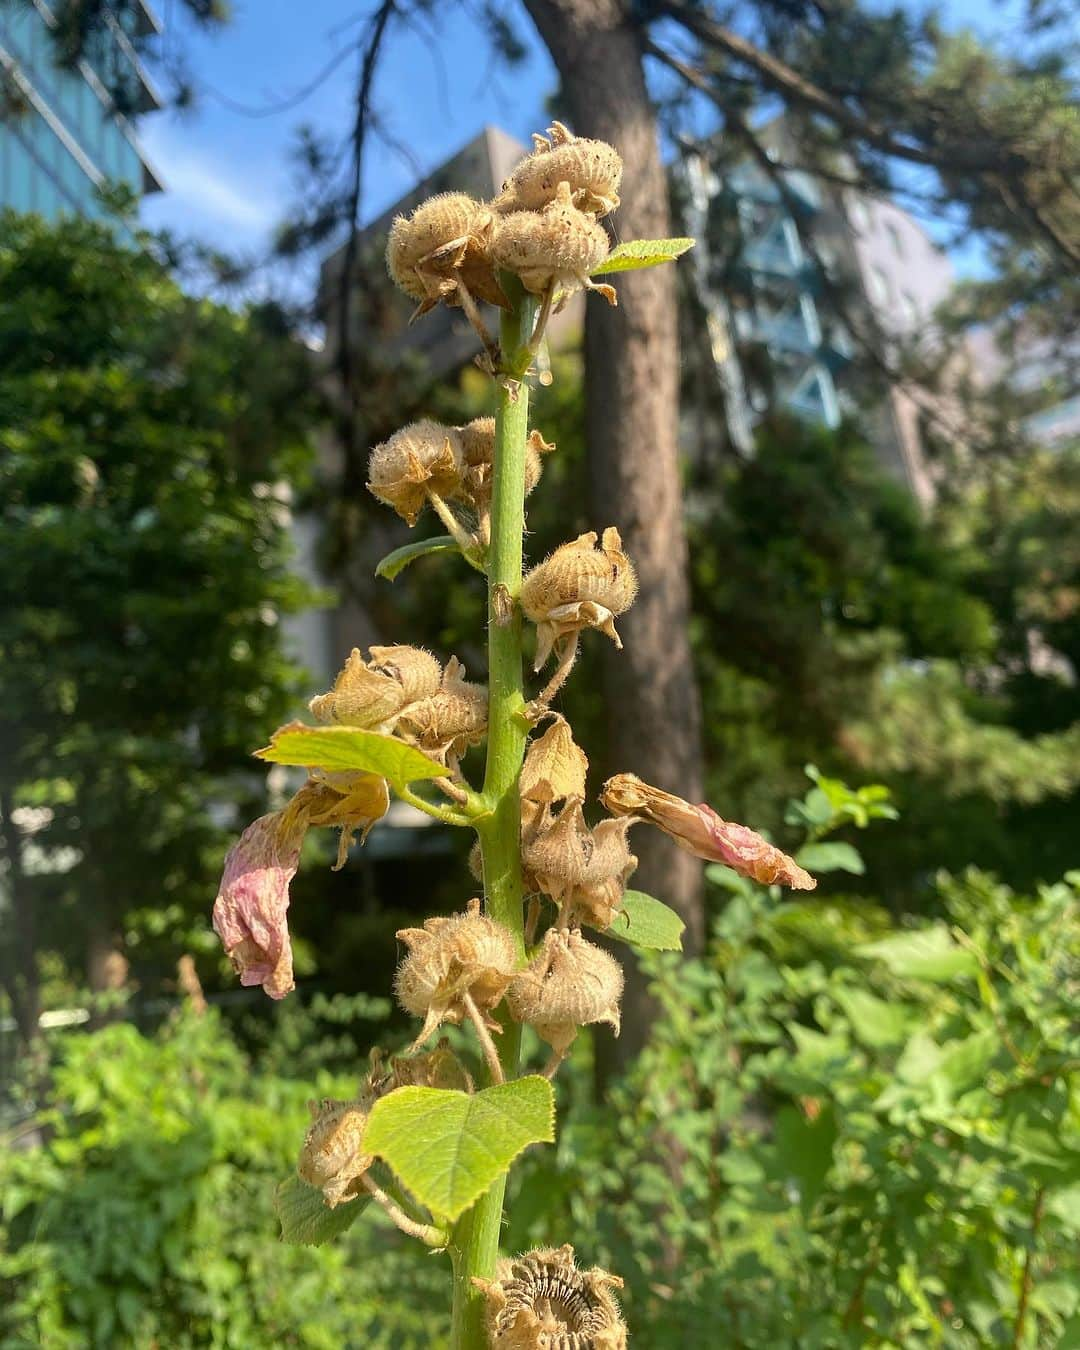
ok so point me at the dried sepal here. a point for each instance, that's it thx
(351, 800)
(415, 670)
(578, 586)
(542, 1301)
(362, 696)
(555, 766)
(570, 983)
(592, 170)
(598, 896)
(448, 958)
(556, 852)
(699, 830)
(478, 446)
(451, 720)
(444, 245)
(438, 1068)
(332, 1156)
(553, 249)
(421, 458)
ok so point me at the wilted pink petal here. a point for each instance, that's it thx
(700, 831)
(250, 909)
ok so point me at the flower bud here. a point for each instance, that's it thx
(699, 830)
(420, 458)
(541, 1301)
(592, 171)
(578, 586)
(362, 696)
(450, 720)
(555, 766)
(557, 247)
(570, 984)
(478, 444)
(332, 1156)
(448, 958)
(443, 243)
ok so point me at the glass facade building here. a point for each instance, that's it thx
(67, 131)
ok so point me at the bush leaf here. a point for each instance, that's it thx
(831, 857)
(929, 954)
(642, 253)
(348, 748)
(400, 558)
(305, 1217)
(448, 1147)
(647, 922)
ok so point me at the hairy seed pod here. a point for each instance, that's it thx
(541, 1301)
(570, 984)
(557, 856)
(596, 899)
(420, 458)
(448, 958)
(417, 672)
(557, 247)
(555, 766)
(478, 444)
(591, 169)
(362, 696)
(451, 720)
(579, 586)
(445, 241)
(332, 1157)
(438, 1068)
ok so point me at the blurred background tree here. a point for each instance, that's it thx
(150, 444)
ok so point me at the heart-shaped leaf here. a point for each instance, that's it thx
(647, 922)
(348, 748)
(448, 1147)
(400, 558)
(305, 1217)
(642, 253)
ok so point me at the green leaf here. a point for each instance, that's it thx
(647, 922)
(400, 558)
(642, 253)
(830, 858)
(874, 1021)
(305, 1217)
(804, 1150)
(348, 748)
(448, 1147)
(929, 954)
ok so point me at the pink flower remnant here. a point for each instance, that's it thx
(701, 831)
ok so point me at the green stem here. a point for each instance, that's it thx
(446, 814)
(475, 1242)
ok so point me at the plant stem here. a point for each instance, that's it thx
(475, 1242)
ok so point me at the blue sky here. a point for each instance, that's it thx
(227, 175)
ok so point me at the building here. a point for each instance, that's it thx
(68, 131)
(797, 282)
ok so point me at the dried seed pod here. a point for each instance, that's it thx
(448, 958)
(570, 984)
(362, 696)
(555, 766)
(557, 855)
(596, 900)
(420, 458)
(591, 169)
(450, 720)
(332, 1156)
(443, 244)
(541, 1301)
(554, 248)
(478, 444)
(438, 1068)
(699, 830)
(578, 586)
(416, 670)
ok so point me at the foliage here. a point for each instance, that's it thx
(145, 1214)
(145, 436)
(829, 1144)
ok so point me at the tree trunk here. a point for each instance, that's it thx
(18, 954)
(631, 388)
